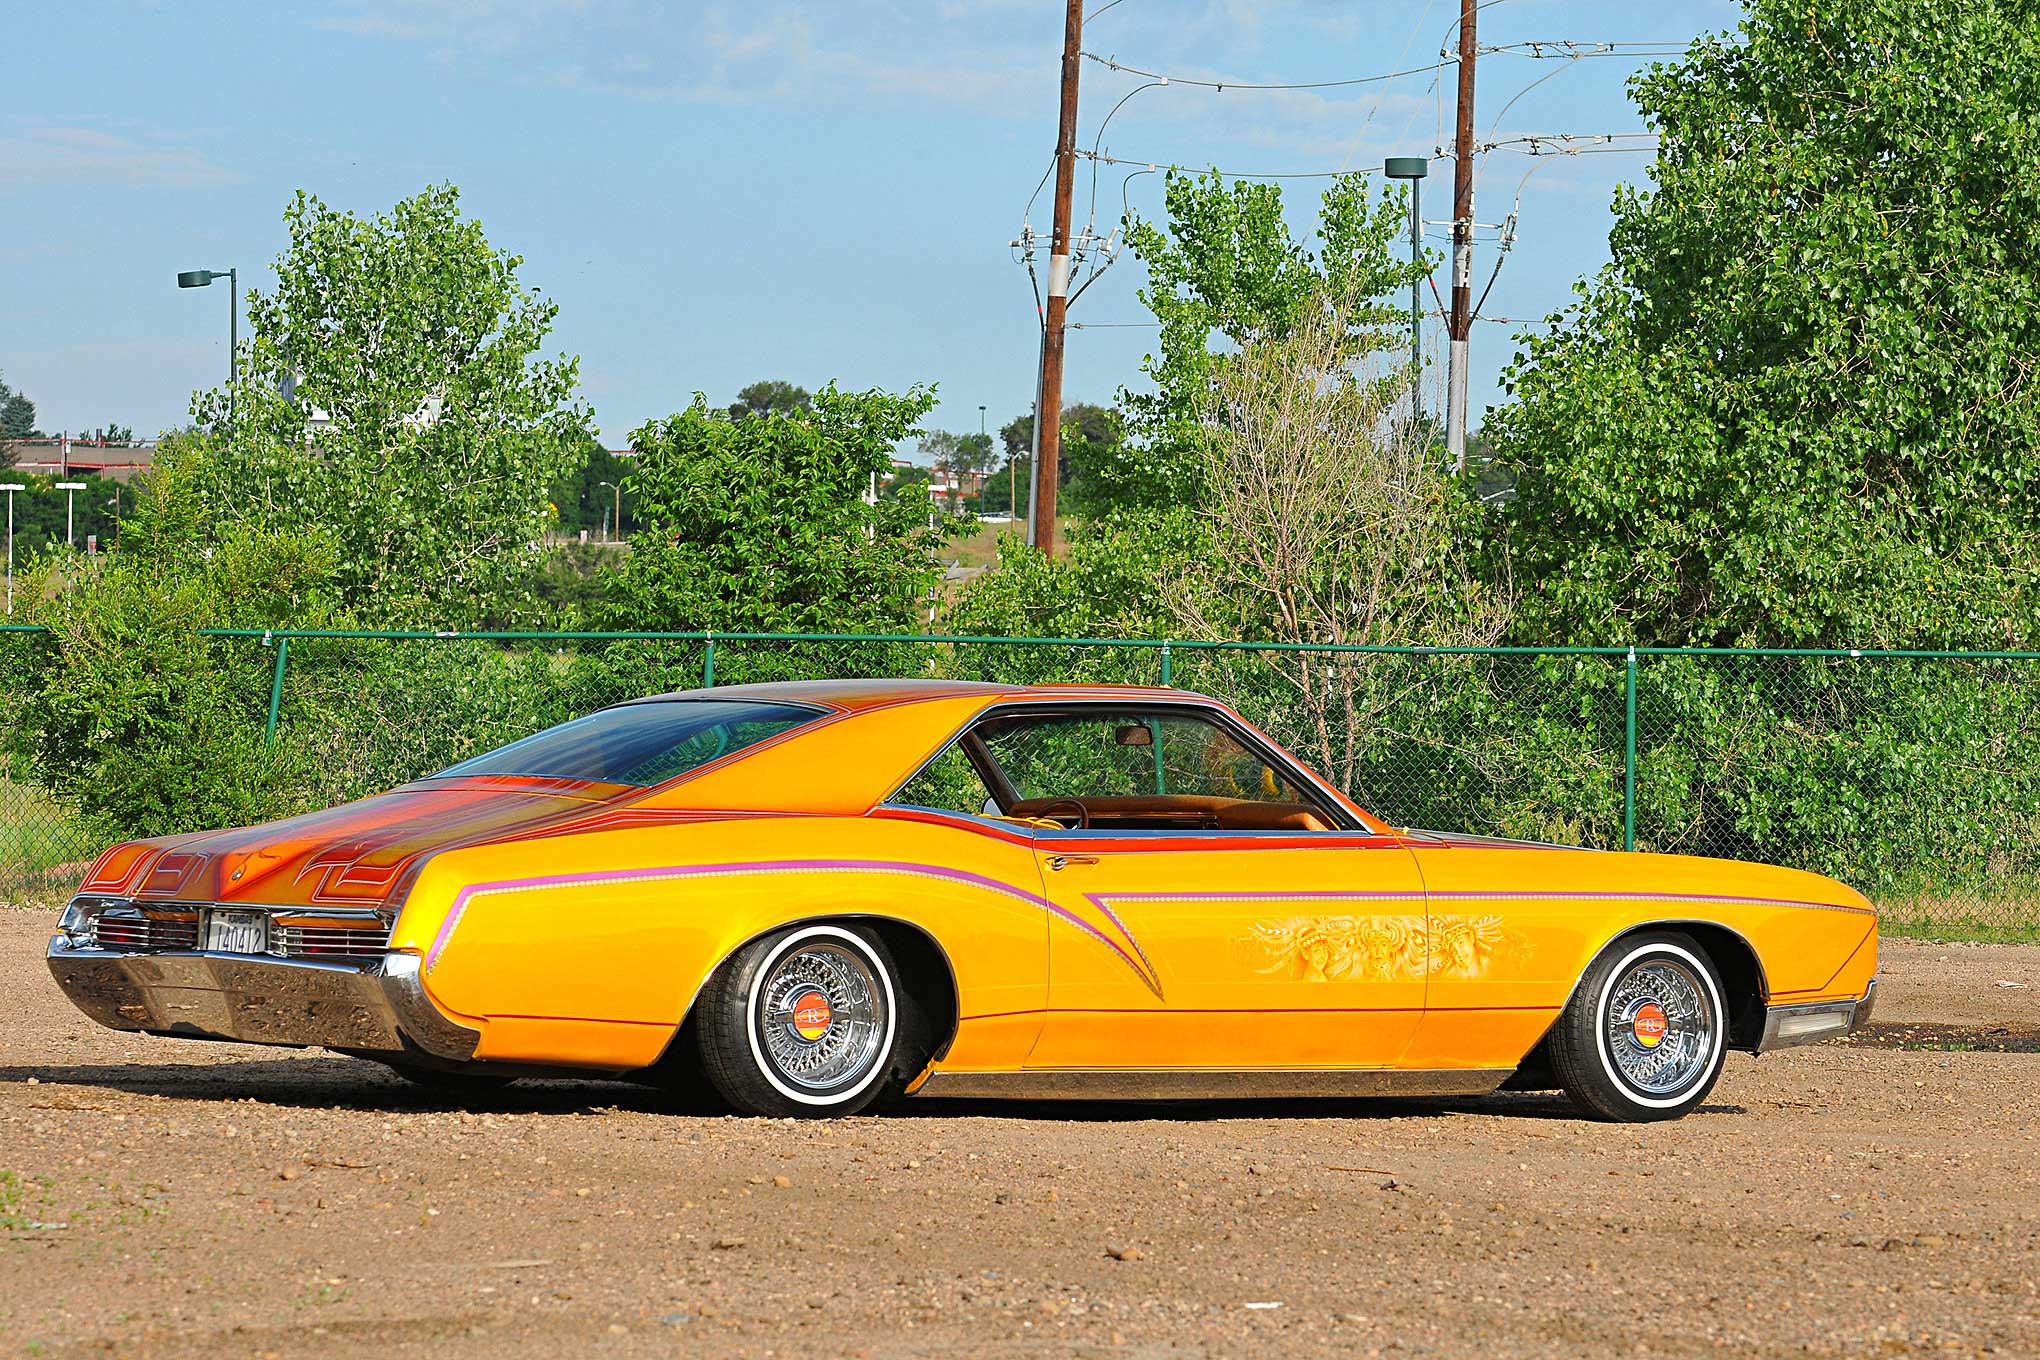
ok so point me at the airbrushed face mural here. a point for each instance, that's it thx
(808, 895)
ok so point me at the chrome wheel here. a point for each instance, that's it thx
(821, 1017)
(1659, 1028)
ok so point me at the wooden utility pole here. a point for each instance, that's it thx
(1460, 323)
(1048, 410)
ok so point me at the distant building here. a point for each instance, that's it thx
(62, 456)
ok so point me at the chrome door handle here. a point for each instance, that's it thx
(1061, 862)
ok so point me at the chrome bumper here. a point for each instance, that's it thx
(1785, 1026)
(375, 1006)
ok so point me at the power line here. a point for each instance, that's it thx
(1567, 47)
(1571, 143)
(1146, 165)
(1251, 85)
(1533, 144)
(1382, 98)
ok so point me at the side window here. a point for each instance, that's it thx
(1147, 755)
(949, 783)
(1199, 757)
(1072, 757)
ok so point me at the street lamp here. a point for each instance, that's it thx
(202, 278)
(1413, 169)
(618, 521)
(69, 489)
(10, 488)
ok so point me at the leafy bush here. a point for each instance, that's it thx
(129, 715)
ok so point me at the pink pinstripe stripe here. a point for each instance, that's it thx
(466, 896)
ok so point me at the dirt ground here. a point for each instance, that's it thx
(166, 1197)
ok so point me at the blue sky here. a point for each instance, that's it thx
(715, 193)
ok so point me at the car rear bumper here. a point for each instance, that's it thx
(377, 1005)
(1786, 1026)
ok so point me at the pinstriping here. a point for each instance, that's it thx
(682, 872)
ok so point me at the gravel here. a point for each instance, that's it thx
(175, 1198)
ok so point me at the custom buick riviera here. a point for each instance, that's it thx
(814, 895)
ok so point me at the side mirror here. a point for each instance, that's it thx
(1134, 734)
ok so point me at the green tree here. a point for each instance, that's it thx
(1329, 519)
(1797, 406)
(1224, 270)
(1085, 471)
(17, 421)
(965, 457)
(763, 525)
(39, 512)
(393, 395)
(771, 397)
(580, 500)
(17, 413)
(130, 715)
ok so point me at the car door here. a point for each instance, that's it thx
(1217, 911)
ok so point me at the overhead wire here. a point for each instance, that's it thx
(1400, 57)
(1535, 144)
(1568, 47)
(1108, 159)
(1167, 79)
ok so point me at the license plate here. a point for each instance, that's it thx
(237, 932)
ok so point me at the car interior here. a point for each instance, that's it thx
(1115, 769)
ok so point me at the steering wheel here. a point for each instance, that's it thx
(1048, 809)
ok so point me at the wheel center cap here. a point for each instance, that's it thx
(1648, 1024)
(812, 1015)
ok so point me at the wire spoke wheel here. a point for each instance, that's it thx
(1659, 1027)
(811, 1021)
(1646, 1030)
(821, 1017)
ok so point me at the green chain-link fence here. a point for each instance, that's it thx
(1915, 776)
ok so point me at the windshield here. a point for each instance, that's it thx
(639, 744)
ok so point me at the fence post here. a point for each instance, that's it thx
(276, 690)
(708, 664)
(1629, 760)
(1168, 673)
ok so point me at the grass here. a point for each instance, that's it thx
(1950, 930)
(977, 545)
(2003, 908)
(43, 849)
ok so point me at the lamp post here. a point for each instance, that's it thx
(202, 278)
(985, 443)
(70, 490)
(618, 521)
(1413, 169)
(10, 488)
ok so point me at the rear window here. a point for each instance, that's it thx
(640, 744)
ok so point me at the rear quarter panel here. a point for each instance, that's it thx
(588, 949)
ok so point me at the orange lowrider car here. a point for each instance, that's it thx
(812, 895)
